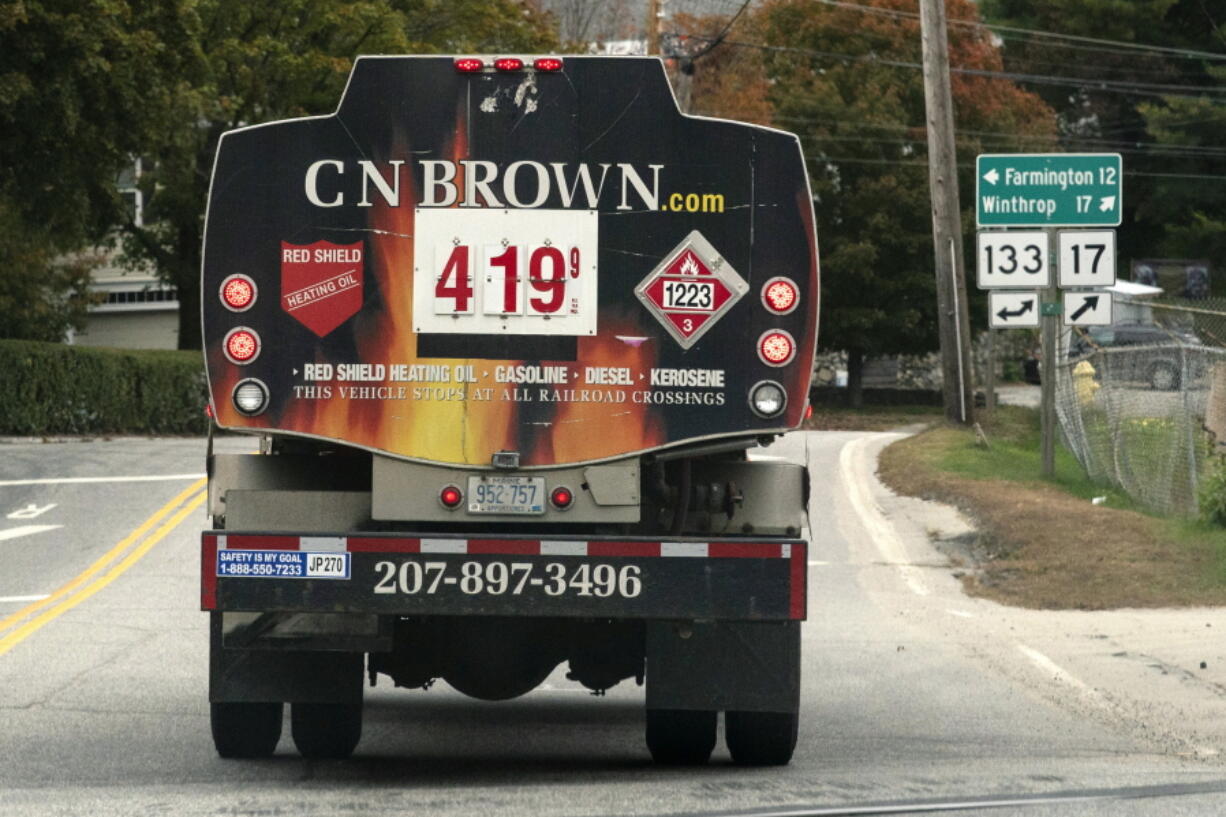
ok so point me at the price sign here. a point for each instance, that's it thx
(509, 272)
(1087, 258)
(1012, 260)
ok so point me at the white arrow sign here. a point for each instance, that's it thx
(1013, 310)
(1087, 308)
(1106, 204)
(991, 177)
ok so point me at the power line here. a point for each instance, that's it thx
(969, 166)
(1109, 86)
(1117, 44)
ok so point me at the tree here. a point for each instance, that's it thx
(85, 86)
(1174, 204)
(79, 88)
(259, 63)
(848, 82)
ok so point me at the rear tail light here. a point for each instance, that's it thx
(250, 396)
(469, 65)
(238, 293)
(780, 295)
(768, 399)
(562, 497)
(509, 64)
(451, 496)
(776, 347)
(241, 346)
(547, 64)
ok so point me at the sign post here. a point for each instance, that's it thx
(1048, 190)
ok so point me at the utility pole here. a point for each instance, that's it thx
(653, 26)
(954, 326)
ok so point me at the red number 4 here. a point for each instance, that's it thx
(455, 281)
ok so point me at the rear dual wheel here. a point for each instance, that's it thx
(761, 738)
(245, 730)
(681, 737)
(326, 731)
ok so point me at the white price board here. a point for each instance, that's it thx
(1013, 310)
(1087, 308)
(505, 272)
(1012, 260)
(1087, 258)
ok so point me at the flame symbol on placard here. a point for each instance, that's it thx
(689, 266)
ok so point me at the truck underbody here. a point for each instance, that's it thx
(699, 600)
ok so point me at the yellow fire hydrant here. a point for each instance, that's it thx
(1084, 384)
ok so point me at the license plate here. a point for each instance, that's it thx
(506, 495)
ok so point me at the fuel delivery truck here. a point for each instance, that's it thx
(509, 330)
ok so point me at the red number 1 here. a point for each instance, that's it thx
(509, 261)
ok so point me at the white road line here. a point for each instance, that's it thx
(1062, 675)
(960, 613)
(854, 471)
(25, 530)
(22, 599)
(818, 564)
(79, 480)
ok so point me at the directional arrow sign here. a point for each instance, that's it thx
(1048, 189)
(1013, 310)
(1087, 308)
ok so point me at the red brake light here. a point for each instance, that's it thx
(562, 497)
(780, 295)
(776, 347)
(238, 293)
(451, 497)
(241, 346)
(547, 64)
(469, 65)
(509, 64)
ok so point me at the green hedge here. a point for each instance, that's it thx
(50, 388)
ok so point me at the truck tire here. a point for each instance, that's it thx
(681, 737)
(761, 738)
(245, 730)
(326, 731)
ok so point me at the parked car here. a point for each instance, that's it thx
(1153, 355)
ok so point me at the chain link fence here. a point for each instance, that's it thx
(1133, 399)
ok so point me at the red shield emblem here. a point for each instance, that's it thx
(321, 283)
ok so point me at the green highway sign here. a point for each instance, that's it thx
(1048, 189)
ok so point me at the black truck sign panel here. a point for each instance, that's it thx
(555, 263)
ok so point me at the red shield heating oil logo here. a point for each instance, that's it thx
(321, 283)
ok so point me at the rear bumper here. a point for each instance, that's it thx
(595, 577)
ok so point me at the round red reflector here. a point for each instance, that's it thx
(780, 295)
(450, 496)
(509, 64)
(468, 65)
(776, 347)
(547, 64)
(562, 497)
(242, 345)
(238, 293)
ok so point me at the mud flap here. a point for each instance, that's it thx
(743, 666)
(285, 676)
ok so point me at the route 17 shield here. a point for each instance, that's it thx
(321, 283)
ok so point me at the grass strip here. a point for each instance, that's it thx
(1042, 543)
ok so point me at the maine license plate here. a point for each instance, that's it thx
(508, 495)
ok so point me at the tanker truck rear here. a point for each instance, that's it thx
(508, 329)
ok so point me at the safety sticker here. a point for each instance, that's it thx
(282, 564)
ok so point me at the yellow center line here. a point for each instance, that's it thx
(103, 560)
(84, 592)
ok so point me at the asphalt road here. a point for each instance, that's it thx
(906, 703)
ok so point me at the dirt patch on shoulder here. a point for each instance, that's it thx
(1040, 547)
